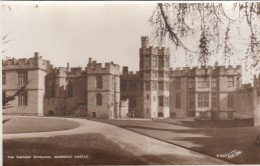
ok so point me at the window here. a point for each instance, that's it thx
(53, 89)
(22, 77)
(178, 100)
(161, 62)
(70, 92)
(231, 81)
(213, 100)
(203, 100)
(161, 100)
(147, 74)
(3, 98)
(112, 82)
(147, 96)
(3, 78)
(147, 61)
(154, 59)
(214, 82)
(191, 100)
(166, 85)
(154, 74)
(99, 82)
(132, 102)
(132, 86)
(166, 61)
(154, 85)
(191, 83)
(160, 73)
(160, 85)
(203, 82)
(147, 111)
(148, 86)
(22, 98)
(99, 99)
(123, 86)
(177, 83)
(230, 100)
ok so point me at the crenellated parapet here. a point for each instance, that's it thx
(129, 75)
(155, 51)
(35, 62)
(206, 70)
(230, 70)
(93, 68)
(150, 50)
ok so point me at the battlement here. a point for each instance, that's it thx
(207, 70)
(94, 67)
(35, 62)
(148, 50)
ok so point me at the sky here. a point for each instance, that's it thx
(75, 31)
(72, 32)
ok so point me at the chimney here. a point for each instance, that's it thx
(36, 54)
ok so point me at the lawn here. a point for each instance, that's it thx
(34, 124)
(96, 147)
(215, 138)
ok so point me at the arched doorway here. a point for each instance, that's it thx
(50, 113)
(160, 114)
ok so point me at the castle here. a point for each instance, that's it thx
(155, 91)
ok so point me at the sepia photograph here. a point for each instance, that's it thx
(130, 83)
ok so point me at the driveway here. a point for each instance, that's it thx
(150, 150)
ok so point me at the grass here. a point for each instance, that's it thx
(96, 146)
(33, 124)
(212, 137)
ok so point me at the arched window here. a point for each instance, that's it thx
(70, 89)
(99, 99)
(53, 89)
(99, 82)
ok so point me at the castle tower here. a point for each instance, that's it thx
(30, 73)
(103, 86)
(154, 73)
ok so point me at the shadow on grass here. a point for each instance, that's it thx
(96, 146)
(210, 123)
(217, 141)
(212, 138)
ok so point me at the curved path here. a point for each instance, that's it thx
(150, 150)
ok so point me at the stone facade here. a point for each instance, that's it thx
(18, 72)
(92, 92)
(204, 93)
(148, 89)
(155, 91)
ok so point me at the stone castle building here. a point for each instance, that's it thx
(91, 92)
(94, 91)
(205, 93)
(148, 89)
(155, 91)
(18, 72)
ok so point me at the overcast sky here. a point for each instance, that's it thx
(72, 32)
